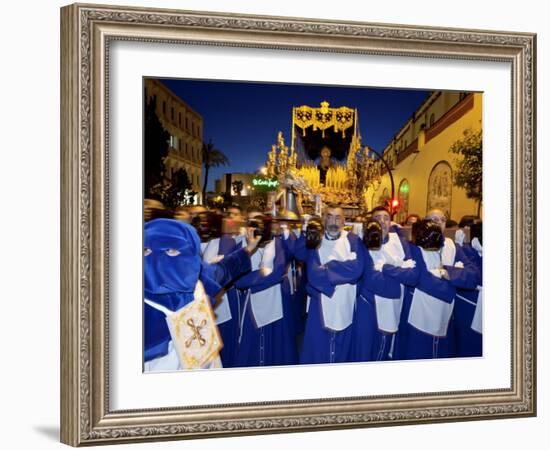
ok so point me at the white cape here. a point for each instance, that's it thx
(388, 310)
(338, 309)
(267, 305)
(430, 314)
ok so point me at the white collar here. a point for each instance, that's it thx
(330, 238)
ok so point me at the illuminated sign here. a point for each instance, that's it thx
(265, 183)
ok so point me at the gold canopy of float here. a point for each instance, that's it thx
(325, 163)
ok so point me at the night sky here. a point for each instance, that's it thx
(243, 118)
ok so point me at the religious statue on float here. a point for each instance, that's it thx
(325, 162)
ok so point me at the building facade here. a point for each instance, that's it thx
(186, 133)
(422, 165)
(225, 184)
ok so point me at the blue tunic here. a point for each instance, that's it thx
(323, 345)
(370, 343)
(421, 345)
(229, 330)
(299, 296)
(468, 342)
(299, 250)
(213, 277)
(274, 343)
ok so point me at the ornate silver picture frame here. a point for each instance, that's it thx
(87, 34)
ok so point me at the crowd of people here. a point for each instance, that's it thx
(318, 290)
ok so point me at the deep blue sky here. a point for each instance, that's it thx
(243, 118)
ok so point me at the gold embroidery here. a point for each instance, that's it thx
(196, 332)
(323, 118)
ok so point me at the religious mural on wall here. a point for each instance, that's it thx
(440, 188)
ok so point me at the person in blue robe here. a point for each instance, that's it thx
(298, 245)
(333, 270)
(443, 267)
(267, 335)
(172, 268)
(297, 277)
(227, 311)
(389, 273)
(467, 323)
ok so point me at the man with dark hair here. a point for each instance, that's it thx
(394, 227)
(467, 221)
(442, 269)
(411, 218)
(227, 310)
(267, 329)
(389, 272)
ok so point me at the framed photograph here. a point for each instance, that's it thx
(235, 188)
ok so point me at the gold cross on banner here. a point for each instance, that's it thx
(196, 332)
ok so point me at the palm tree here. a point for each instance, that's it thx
(211, 157)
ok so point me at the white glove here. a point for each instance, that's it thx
(216, 259)
(306, 221)
(459, 264)
(265, 271)
(358, 229)
(393, 261)
(459, 237)
(352, 257)
(476, 245)
(378, 266)
(435, 272)
(408, 264)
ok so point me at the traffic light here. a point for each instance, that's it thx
(392, 205)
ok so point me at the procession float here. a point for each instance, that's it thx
(325, 163)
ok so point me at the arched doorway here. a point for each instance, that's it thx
(403, 196)
(440, 188)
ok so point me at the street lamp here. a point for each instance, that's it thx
(389, 169)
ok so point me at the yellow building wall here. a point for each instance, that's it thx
(416, 168)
